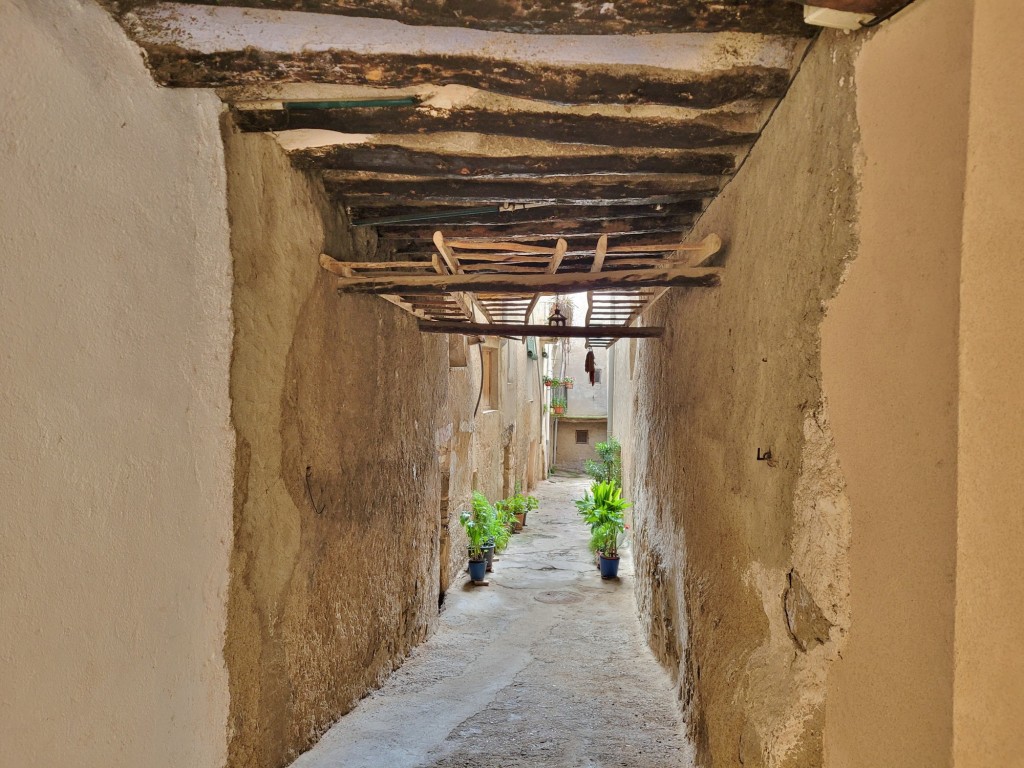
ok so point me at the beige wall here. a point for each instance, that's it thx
(330, 593)
(339, 405)
(115, 444)
(572, 455)
(889, 364)
(722, 540)
(989, 671)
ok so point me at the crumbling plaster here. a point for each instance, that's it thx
(724, 542)
(352, 426)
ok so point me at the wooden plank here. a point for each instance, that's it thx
(454, 220)
(599, 253)
(501, 246)
(558, 188)
(601, 126)
(384, 154)
(502, 268)
(551, 331)
(564, 282)
(583, 17)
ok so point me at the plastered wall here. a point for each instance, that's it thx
(116, 450)
(889, 364)
(741, 573)
(339, 404)
(988, 668)
(358, 447)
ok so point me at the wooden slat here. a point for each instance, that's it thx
(510, 246)
(561, 283)
(557, 331)
(599, 253)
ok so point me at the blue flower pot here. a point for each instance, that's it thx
(609, 567)
(477, 570)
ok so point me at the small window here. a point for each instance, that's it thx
(491, 363)
(582, 436)
(458, 356)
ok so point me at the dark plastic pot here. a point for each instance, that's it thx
(609, 567)
(489, 556)
(477, 570)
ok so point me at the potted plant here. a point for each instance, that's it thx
(558, 406)
(550, 382)
(568, 382)
(518, 505)
(602, 508)
(477, 531)
(485, 515)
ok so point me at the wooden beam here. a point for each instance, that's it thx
(589, 17)
(567, 228)
(562, 332)
(612, 129)
(564, 282)
(459, 197)
(543, 215)
(599, 253)
(557, 188)
(225, 46)
(373, 156)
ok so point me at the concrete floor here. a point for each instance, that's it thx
(544, 667)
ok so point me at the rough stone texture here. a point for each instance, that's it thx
(339, 404)
(116, 448)
(525, 673)
(718, 532)
(357, 449)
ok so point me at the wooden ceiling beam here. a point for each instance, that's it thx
(209, 47)
(572, 17)
(459, 197)
(558, 228)
(611, 130)
(563, 282)
(551, 187)
(555, 331)
(370, 155)
(682, 211)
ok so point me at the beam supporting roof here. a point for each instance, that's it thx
(553, 331)
(573, 17)
(206, 46)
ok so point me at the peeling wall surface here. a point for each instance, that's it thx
(741, 571)
(339, 407)
(357, 449)
(890, 372)
(116, 450)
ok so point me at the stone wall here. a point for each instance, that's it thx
(741, 569)
(358, 447)
(116, 448)
(833, 606)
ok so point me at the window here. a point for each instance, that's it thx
(489, 374)
(582, 436)
(458, 356)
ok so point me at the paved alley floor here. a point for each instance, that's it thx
(544, 667)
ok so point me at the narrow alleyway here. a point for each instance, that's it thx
(544, 667)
